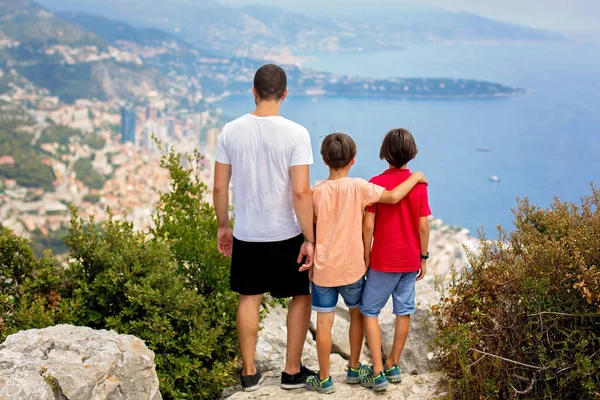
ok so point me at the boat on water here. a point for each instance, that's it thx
(494, 178)
(484, 148)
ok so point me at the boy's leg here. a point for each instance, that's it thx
(352, 295)
(324, 326)
(378, 288)
(404, 306)
(357, 334)
(247, 328)
(400, 336)
(374, 341)
(324, 301)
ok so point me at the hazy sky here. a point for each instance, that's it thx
(572, 17)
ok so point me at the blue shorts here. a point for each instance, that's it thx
(381, 285)
(324, 299)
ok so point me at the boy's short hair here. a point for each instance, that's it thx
(398, 147)
(270, 82)
(338, 150)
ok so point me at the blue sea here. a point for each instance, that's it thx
(545, 143)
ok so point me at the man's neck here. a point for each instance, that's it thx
(338, 173)
(267, 108)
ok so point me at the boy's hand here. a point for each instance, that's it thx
(423, 270)
(307, 250)
(422, 178)
(225, 241)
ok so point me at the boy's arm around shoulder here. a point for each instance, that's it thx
(399, 192)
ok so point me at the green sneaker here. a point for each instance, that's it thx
(378, 383)
(393, 374)
(353, 376)
(322, 386)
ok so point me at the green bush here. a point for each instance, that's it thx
(88, 175)
(131, 284)
(524, 318)
(30, 290)
(59, 134)
(28, 170)
(167, 287)
(92, 198)
(94, 141)
(54, 241)
(189, 224)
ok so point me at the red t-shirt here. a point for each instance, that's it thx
(397, 239)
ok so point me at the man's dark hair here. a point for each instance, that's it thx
(270, 82)
(338, 150)
(398, 147)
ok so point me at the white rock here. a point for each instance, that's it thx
(76, 363)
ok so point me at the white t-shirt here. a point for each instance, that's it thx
(261, 151)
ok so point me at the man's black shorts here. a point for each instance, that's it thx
(268, 267)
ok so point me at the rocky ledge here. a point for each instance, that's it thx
(418, 387)
(65, 362)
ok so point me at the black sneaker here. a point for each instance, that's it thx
(252, 382)
(297, 381)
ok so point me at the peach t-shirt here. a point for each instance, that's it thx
(339, 206)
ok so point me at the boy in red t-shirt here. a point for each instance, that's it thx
(398, 258)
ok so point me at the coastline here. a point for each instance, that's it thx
(399, 96)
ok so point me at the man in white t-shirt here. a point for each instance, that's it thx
(268, 157)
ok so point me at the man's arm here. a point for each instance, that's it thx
(399, 192)
(303, 206)
(424, 233)
(221, 204)
(368, 229)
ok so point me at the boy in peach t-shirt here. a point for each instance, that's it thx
(339, 264)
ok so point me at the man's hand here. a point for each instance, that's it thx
(422, 178)
(225, 241)
(307, 250)
(368, 260)
(423, 270)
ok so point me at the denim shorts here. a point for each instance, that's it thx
(381, 285)
(324, 299)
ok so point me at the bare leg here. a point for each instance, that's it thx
(374, 340)
(247, 328)
(324, 326)
(297, 326)
(400, 336)
(357, 334)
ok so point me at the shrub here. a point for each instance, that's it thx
(30, 290)
(87, 174)
(95, 141)
(130, 283)
(524, 319)
(63, 135)
(28, 169)
(92, 198)
(188, 223)
(168, 287)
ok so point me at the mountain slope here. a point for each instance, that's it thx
(241, 30)
(67, 59)
(113, 30)
(27, 21)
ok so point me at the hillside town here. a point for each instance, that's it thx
(119, 140)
